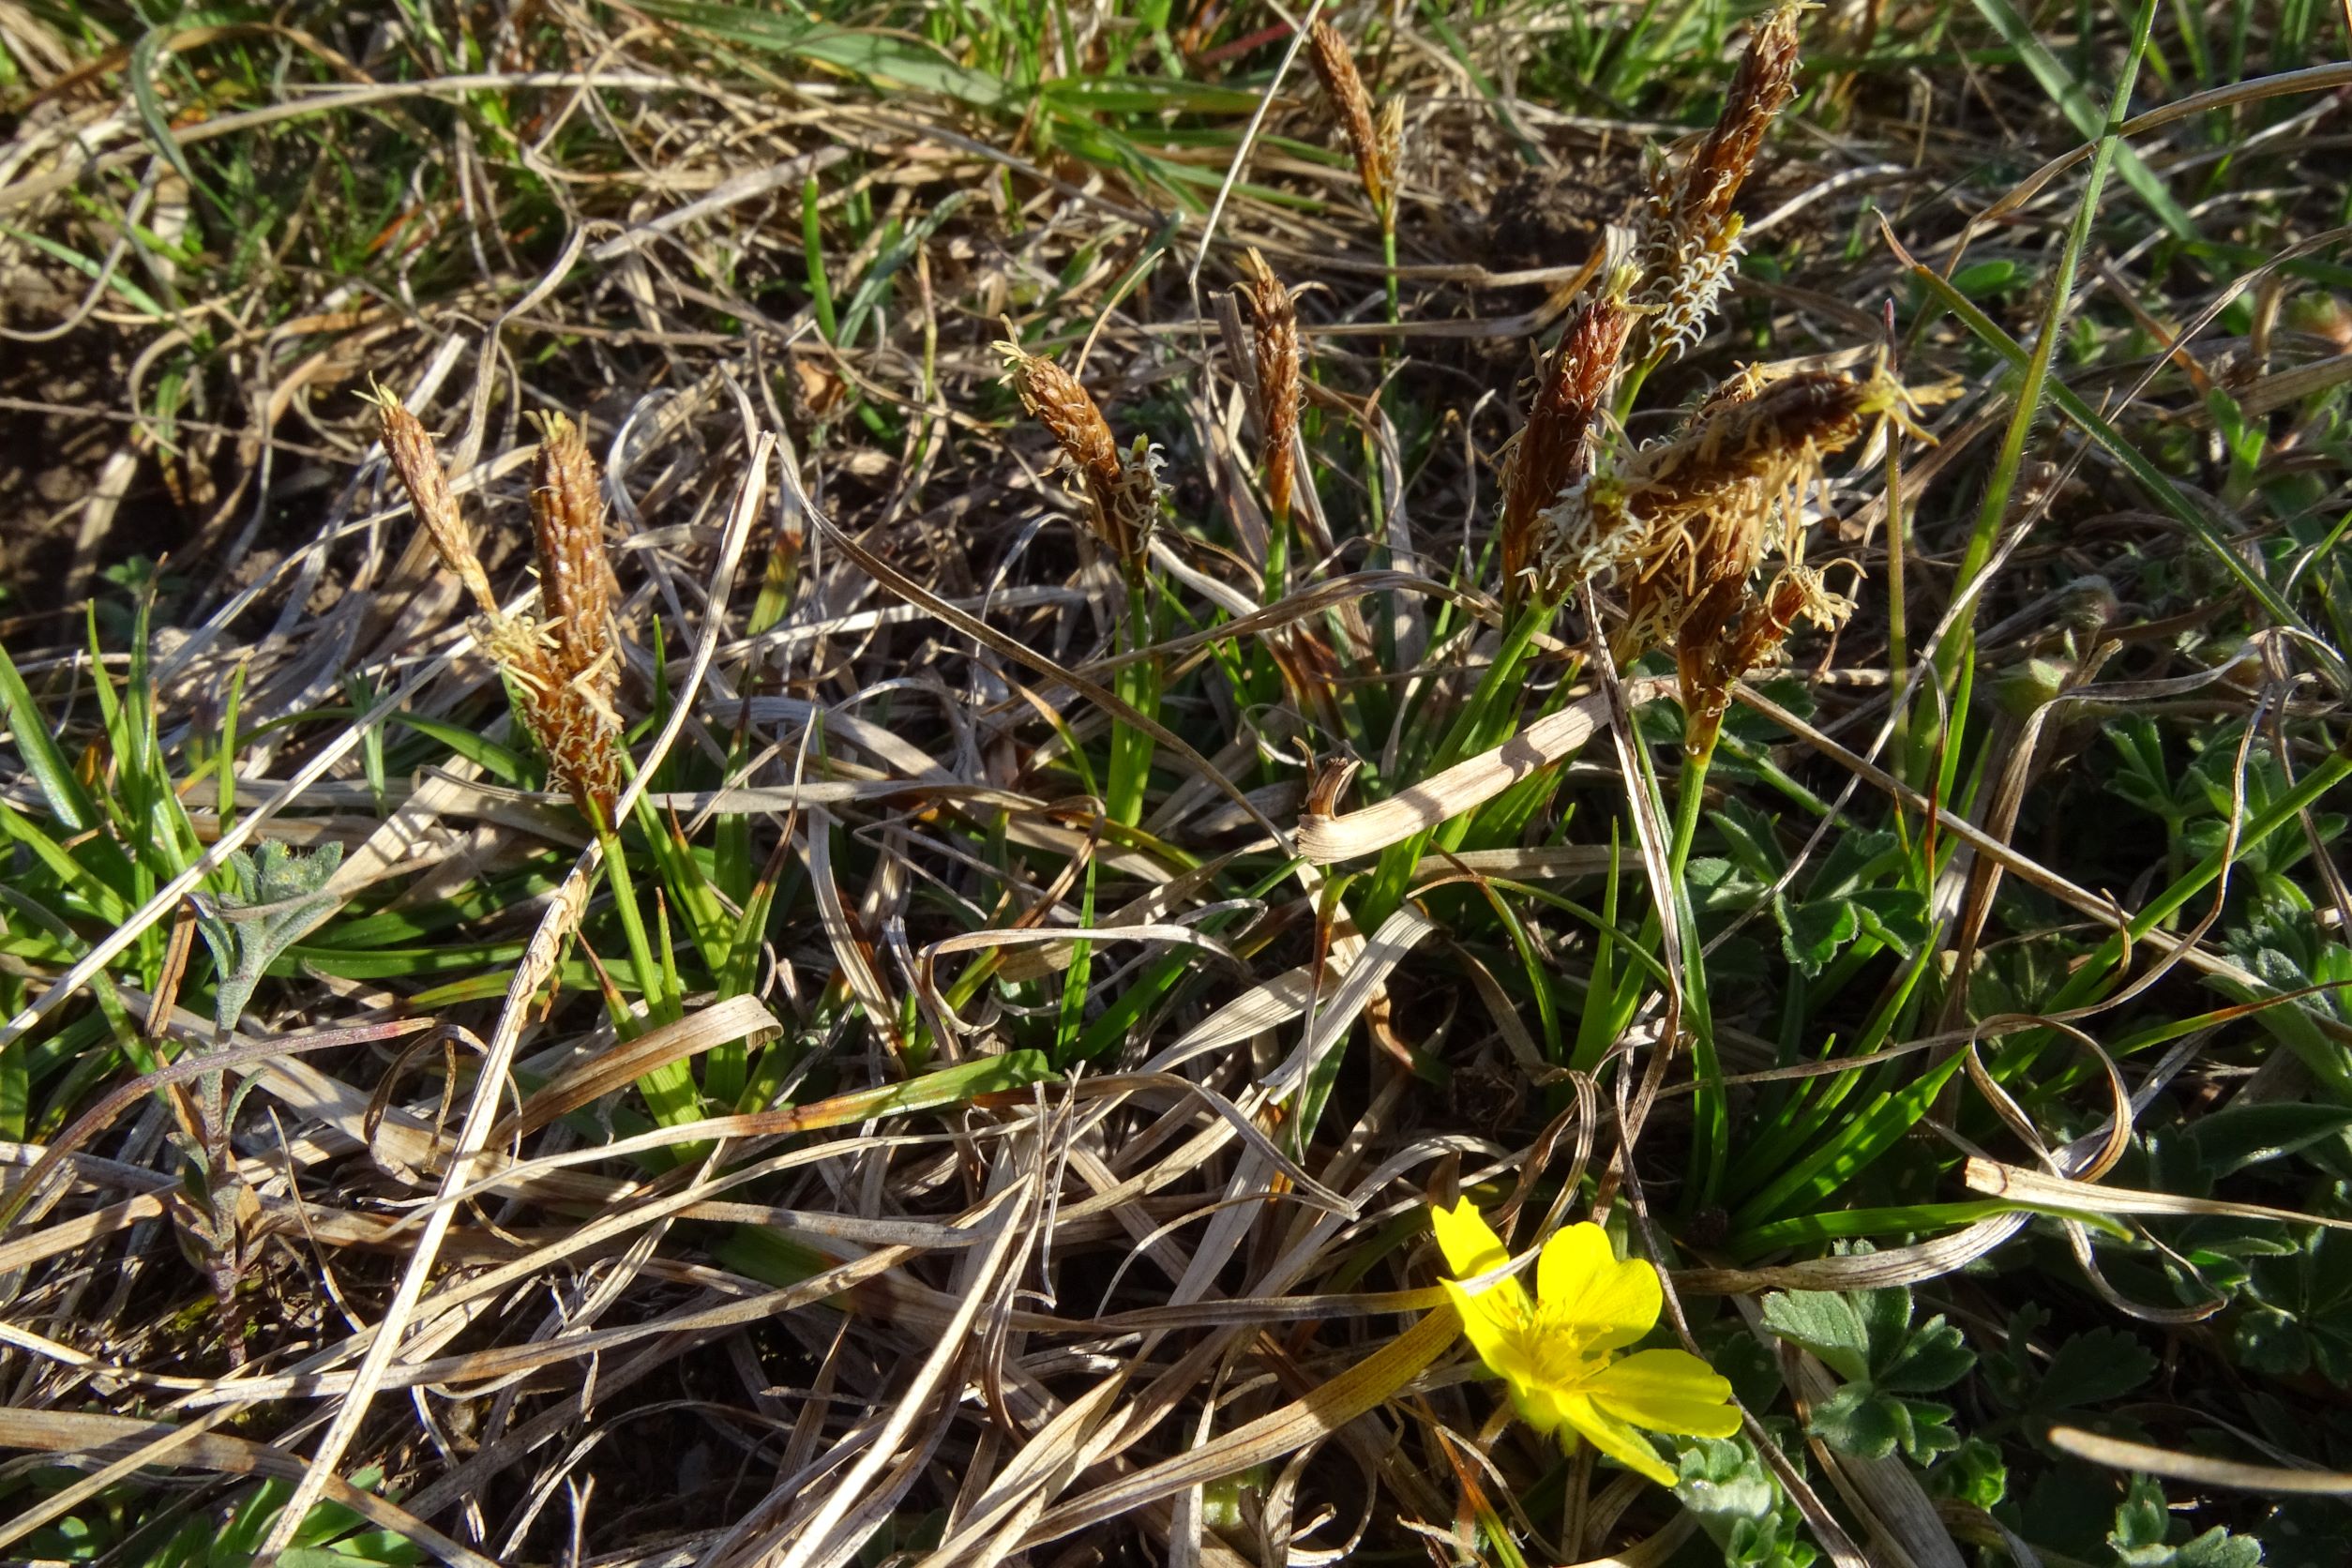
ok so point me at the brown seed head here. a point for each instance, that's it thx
(1555, 450)
(1769, 440)
(563, 674)
(1122, 490)
(1703, 658)
(1684, 516)
(1055, 400)
(573, 725)
(1376, 145)
(1388, 144)
(411, 451)
(1727, 634)
(1761, 89)
(1690, 236)
(575, 574)
(1276, 354)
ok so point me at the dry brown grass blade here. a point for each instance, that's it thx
(1651, 1551)
(1905, 1265)
(60, 1237)
(510, 1360)
(2139, 1459)
(414, 838)
(2038, 1190)
(1361, 1388)
(729, 1018)
(93, 1121)
(852, 951)
(1050, 950)
(1020, 1493)
(1332, 593)
(2312, 79)
(1155, 905)
(998, 1219)
(1324, 839)
(94, 1436)
(1362, 974)
(2282, 387)
(1527, 863)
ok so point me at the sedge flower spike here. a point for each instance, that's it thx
(1555, 1349)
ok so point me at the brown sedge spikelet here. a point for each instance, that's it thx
(1555, 448)
(565, 668)
(574, 727)
(1690, 236)
(1374, 142)
(1679, 519)
(410, 449)
(1276, 357)
(1388, 147)
(1734, 631)
(1122, 489)
(1712, 500)
(568, 525)
(1762, 86)
(561, 677)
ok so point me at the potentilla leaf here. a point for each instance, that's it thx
(1825, 1324)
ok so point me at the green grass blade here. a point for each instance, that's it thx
(2158, 486)
(68, 801)
(2069, 94)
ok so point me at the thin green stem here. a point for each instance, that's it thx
(812, 241)
(1629, 386)
(641, 960)
(1277, 574)
(1137, 685)
(1690, 795)
(1388, 254)
(1898, 635)
(1994, 511)
(1708, 1107)
(669, 1089)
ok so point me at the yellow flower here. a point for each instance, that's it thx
(1554, 1348)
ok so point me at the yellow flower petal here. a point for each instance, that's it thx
(1615, 1439)
(1667, 1390)
(1494, 1320)
(1539, 1405)
(1469, 1244)
(1585, 1288)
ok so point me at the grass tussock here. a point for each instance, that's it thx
(1085, 785)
